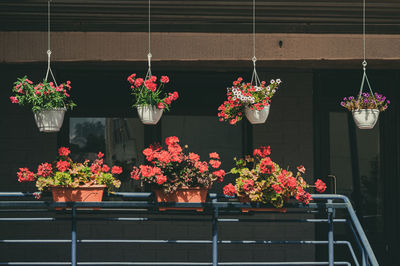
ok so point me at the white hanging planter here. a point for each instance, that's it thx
(365, 118)
(257, 116)
(50, 120)
(149, 114)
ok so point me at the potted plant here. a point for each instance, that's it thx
(246, 99)
(177, 176)
(262, 180)
(71, 181)
(366, 108)
(148, 100)
(47, 100)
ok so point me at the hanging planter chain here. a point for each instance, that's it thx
(364, 64)
(48, 46)
(255, 80)
(149, 55)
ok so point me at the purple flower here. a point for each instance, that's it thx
(351, 98)
(388, 101)
(342, 104)
(384, 98)
(365, 94)
(366, 101)
(345, 99)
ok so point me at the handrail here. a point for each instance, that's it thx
(218, 204)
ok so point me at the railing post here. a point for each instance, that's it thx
(330, 235)
(73, 237)
(215, 235)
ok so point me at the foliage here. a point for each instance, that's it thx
(366, 101)
(65, 172)
(172, 168)
(147, 92)
(243, 95)
(262, 180)
(42, 96)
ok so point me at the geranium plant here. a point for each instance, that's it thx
(366, 101)
(242, 95)
(148, 92)
(65, 172)
(262, 180)
(172, 168)
(42, 96)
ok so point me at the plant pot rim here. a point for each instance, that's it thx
(52, 109)
(78, 187)
(365, 109)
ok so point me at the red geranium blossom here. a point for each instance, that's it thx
(100, 155)
(171, 140)
(220, 173)
(164, 79)
(229, 190)
(24, 175)
(320, 186)
(214, 155)
(116, 170)
(44, 170)
(161, 179)
(215, 163)
(194, 157)
(63, 151)
(135, 173)
(62, 166)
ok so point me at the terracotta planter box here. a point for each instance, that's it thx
(246, 200)
(194, 195)
(80, 194)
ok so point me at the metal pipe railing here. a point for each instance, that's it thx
(217, 205)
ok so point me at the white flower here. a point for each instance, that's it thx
(278, 81)
(268, 88)
(273, 91)
(272, 81)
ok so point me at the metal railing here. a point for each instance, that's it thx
(217, 205)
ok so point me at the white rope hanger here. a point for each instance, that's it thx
(149, 55)
(48, 46)
(255, 80)
(364, 63)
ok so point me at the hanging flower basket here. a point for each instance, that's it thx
(366, 108)
(365, 118)
(47, 100)
(183, 195)
(147, 99)
(257, 116)
(50, 120)
(245, 99)
(149, 114)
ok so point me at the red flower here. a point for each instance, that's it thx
(147, 171)
(62, 166)
(168, 100)
(95, 168)
(105, 168)
(164, 79)
(164, 157)
(161, 179)
(14, 99)
(320, 186)
(24, 175)
(301, 169)
(267, 166)
(214, 155)
(44, 170)
(100, 155)
(131, 78)
(175, 95)
(150, 85)
(171, 140)
(194, 157)
(135, 173)
(220, 174)
(174, 149)
(139, 82)
(202, 166)
(116, 170)
(229, 190)
(248, 184)
(277, 188)
(63, 151)
(215, 163)
(160, 106)
(153, 78)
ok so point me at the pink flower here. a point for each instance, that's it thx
(301, 169)
(100, 155)
(160, 106)
(164, 79)
(214, 155)
(14, 99)
(194, 157)
(215, 163)
(116, 170)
